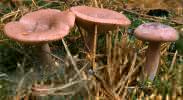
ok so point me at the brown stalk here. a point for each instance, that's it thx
(129, 73)
(109, 47)
(125, 91)
(114, 59)
(105, 87)
(83, 37)
(94, 48)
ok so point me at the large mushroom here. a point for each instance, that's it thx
(40, 27)
(155, 33)
(97, 20)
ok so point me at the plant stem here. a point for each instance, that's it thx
(91, 39)
(94, 47)
(108, 52)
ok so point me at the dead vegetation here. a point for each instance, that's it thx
(119, 59)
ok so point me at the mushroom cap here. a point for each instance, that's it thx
(40, 26)
(105, 19)
(156, 32)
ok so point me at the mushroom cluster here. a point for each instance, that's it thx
(46, 25)
(39, 28)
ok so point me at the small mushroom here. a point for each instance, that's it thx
(155, 33)
(39, 28)
(97, 20)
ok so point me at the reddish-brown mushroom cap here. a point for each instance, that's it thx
(104, 18)
(41, 26)
(156, 32)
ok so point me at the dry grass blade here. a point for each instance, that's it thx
(143, 49)
(82, 69)
(71, 59)
(6, 16)
(103, 86)
(109, 47)
(164, 48)
(64, 93)
(125, 92)
(20, 84)
(55, 56)
(96, 3)
(114, 54)
(173, 61)
(129, 73)
(51, 90)
(94, 47)
(74, 64)
(33, 1)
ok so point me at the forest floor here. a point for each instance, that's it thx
(73, 77)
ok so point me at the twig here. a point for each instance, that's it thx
(94, 46)
(55, 56)
(125, 92)
(164, 49)
(142, 49)
(172, 54)
(58, 88)
(72, 92)
(173, 61)
(65, 93)
(75, 76)
(34, 3)
(140, 63)
(74, 64)
(71, 59)
(83, 37)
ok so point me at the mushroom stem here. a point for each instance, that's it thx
(152, 60)
(43, 51)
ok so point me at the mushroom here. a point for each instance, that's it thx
(40, 27)
(97, 20)
(155, 33)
